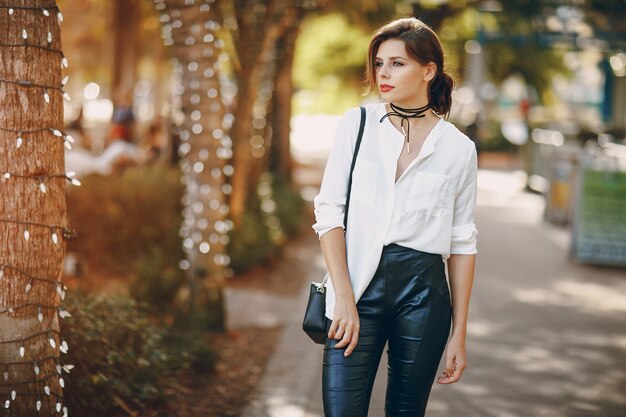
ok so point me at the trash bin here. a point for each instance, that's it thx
(537, 154)
(562, 171)
(599, 215)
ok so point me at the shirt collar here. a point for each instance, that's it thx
(431, 140)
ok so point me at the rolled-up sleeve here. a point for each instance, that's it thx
(464, 230)
(329, 204)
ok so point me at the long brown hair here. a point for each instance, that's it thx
(423, 45)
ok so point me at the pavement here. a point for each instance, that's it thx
(546, 335)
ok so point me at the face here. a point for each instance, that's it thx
(400, 78)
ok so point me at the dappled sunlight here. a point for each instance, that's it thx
(619, 342)
(481, 328)
(534, 371)
(537, 359)
(589, 393)
(188, 253)
(283, 406)
(473, 389)
(437, 406)
(590, 297)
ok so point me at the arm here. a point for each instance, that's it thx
(461, 269)
(329, 212)
(461, 273)
(345, 324)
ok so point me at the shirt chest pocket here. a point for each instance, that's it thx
(427, 194)
(364, 182)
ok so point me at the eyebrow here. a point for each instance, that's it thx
(393, 57)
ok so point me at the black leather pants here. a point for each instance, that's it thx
(407, 304)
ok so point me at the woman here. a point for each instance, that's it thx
(411, 207)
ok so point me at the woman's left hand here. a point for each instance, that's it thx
(456, 361)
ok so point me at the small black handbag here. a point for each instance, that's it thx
(314, 323)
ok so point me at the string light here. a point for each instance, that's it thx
(40, 379)
(257, 145)
(44, 87)
(26, 83)
(44, 9)
(58, 407)
(11, 310)
(203, 177)
(30, 45)
(69, 176)
(162, 5)
(31, 336)
(23, 39)
(67, 139)
(66, 233)
(30, 363)
(60, 287)
(14, 393)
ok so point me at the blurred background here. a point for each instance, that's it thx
(202, 130)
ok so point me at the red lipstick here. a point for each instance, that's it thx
(385, 87)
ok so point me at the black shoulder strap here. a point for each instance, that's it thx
(356, 152)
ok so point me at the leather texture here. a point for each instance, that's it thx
(407, 305)
(315, 314)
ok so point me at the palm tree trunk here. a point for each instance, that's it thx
(32, 210)
(205, 149)
(280, 159)
(259, 31)
(124, 27)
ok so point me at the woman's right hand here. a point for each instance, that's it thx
(345, 325)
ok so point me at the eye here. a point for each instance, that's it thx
(398, 63)
(378, 64)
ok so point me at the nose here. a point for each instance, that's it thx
(383, 73)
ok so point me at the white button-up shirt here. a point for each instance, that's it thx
(430, 208)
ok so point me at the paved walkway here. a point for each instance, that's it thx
(546, 335)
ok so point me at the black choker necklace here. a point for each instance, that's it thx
(405, 114)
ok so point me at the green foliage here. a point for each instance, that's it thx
(510, 45)
(537, 72)
(331, 49)
(492, 139)
(290, 208)
(129, 224)
(370, 14)
(272, 216)
(250, 243)
(329, 65)
(120, 356)
(328, 45)
(157, 281)
(125, 221)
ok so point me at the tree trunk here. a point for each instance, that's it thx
(280, 157)
(259, 29)
(124, 32)
(32, 210)
(205, 148)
